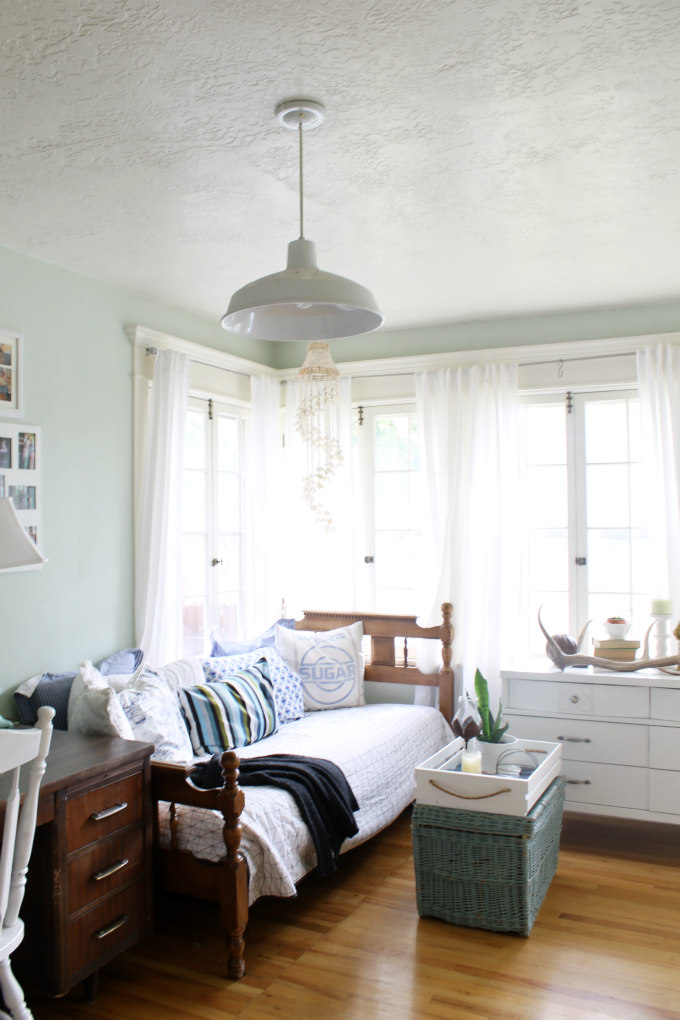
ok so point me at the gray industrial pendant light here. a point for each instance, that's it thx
(302, 302)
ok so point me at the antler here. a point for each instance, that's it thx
(563, 659)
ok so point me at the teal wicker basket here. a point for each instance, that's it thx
(486, 870)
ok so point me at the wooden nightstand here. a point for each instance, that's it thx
(88, 893)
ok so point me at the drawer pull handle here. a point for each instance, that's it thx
(579, 782)
(114, 926)
(111, 870)
(575, 740)
(574, 699)
(98, 816)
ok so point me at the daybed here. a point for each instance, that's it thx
(224, 845)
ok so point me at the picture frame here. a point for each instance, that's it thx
(10, 374)
(20, 476)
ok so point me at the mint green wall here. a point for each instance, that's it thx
(596, 324)
(77, 387)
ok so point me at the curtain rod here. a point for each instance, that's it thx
(153, 351)
(578, 357)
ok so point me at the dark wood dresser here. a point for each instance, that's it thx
(88, 892)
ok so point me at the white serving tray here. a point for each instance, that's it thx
(439, 784)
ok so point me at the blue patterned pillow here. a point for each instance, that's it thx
(233, 712)
(224, 646)
(287, 684)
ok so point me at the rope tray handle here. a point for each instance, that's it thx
(462, 796)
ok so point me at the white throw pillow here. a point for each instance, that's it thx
(93, 705)
(153, 712)
(329, 663)
(181, 673)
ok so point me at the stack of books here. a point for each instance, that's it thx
(616, 648)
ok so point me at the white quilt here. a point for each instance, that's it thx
(376, 746)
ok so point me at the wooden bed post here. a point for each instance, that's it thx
(234, 898)
(446, 635)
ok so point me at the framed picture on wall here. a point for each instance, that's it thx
(20, 476)
(10, 374)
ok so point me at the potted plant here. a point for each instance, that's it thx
(493, 735)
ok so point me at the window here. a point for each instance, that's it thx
(213, 522)
(390, 490)
(586, 511)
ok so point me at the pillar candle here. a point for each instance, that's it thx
(471, 761)
(662, 607)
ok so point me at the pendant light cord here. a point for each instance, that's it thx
(302, 233)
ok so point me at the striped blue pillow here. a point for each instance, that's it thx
(233, 712)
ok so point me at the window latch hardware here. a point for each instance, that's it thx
(580, 561)
(369, 559)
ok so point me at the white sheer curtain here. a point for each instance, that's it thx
(158, 603)
(468, 419)
(318, 563)
(658, 371)
(265, 495)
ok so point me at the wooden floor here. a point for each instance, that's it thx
(606, 944)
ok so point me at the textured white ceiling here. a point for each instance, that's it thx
(480, 158)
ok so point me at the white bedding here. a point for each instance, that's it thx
(376, 746)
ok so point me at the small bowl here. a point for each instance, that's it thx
(617, 630)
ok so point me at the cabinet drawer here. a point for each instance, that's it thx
(102, 811)
(572, 698)
(611, 785)
(582, 740)
(664, 792)
(101, 930)
(665, 704)
(664, 748)
(108, 866)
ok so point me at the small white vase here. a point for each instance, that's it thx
(491, 752)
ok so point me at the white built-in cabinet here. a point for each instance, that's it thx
(620, 735)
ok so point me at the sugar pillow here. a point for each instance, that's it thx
(93, 705)
(153, 711)
(287, 684)
(330, 664)
(230, 713)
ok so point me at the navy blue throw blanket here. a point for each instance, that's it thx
(320, 789)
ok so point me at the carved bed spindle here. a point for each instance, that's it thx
(234, 906)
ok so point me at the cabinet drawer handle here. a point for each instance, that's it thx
(98, 816)
(574, 699)
(579, 782)
(575, 740)
(114, 926)
(111, 870)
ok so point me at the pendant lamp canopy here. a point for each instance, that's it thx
(302, 302)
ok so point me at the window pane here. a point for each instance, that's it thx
(194, 440)
(392, 442)
(606, 424)
(607, 496)
(608, 561)
(546, 497)
(228, 502)
(193, 565)
(193, 501)
(193, 617)
(227, 443)
(229, 577)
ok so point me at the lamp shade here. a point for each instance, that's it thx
(302, 303)
(17, 548)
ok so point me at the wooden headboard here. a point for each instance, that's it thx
(383, 666)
